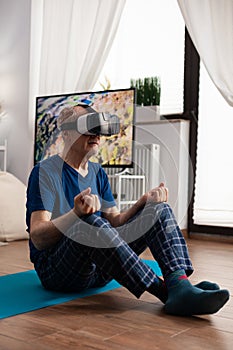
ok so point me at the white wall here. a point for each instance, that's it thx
(173, 138)
(14, 84)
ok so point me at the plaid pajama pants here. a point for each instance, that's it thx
(92, 253)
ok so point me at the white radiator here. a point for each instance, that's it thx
(129, 185)
(146, 160)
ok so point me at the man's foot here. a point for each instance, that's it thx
(206, 285)
(184, 299)
(159, 289)
(194, 301)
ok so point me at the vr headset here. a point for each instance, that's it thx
(94, 123)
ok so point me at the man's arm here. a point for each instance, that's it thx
(158, 194)
(45, 232)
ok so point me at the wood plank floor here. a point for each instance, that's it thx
(116, 319)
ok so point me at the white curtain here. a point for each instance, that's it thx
(213, 203)
(210, 25)
(70, 41)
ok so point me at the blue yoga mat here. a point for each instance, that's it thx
(22, 292)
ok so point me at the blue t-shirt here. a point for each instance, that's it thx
(53, 184)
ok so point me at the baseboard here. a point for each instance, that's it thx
(185, 233)
(209, 237)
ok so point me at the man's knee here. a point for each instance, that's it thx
(95, 231)
(159, 211)
(164, 206)
(159, 207)
(95, 220)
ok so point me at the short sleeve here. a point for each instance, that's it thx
(40, 192)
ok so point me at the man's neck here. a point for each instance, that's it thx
(80, 165)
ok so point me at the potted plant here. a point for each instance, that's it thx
(148, 92)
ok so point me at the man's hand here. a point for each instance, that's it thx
(86, 203)
(158, 194)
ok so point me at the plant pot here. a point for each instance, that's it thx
(147, 114)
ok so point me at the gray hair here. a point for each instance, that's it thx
(67, 114)
(71, 113)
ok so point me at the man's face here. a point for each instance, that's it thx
(83, 144)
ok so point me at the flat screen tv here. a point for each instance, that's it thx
(114, 151)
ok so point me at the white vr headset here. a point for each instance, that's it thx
(94, 123)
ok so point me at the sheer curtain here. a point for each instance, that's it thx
(213, 203)
(70, 41)
(209, 23)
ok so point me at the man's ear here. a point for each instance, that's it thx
(66, 136)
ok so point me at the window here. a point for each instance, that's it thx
(149, 42)
(214, 186)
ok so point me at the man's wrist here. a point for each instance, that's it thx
(141, 202)
(76, 212)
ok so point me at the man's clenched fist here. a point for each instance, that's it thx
(86, 203)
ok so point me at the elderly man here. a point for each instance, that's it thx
(79, 239)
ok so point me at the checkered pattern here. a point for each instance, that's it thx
(93, 252)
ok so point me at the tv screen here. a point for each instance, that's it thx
(114, 151)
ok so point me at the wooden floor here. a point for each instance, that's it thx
(116, 319)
